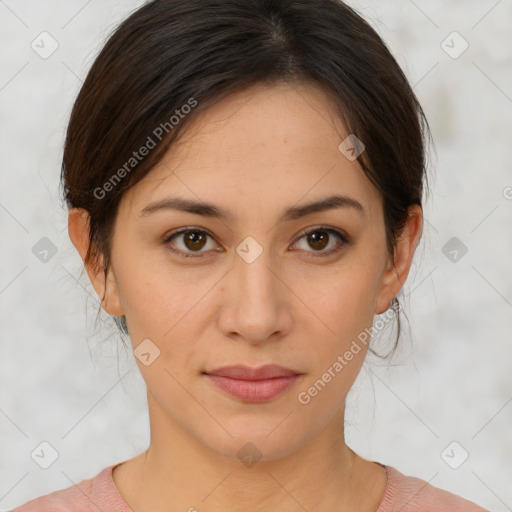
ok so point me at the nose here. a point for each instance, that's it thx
(256, 302)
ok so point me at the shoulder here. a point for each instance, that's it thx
(411, 494)
(84, 496)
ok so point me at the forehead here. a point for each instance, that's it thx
(266, 145)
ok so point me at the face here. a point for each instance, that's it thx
(258, 279)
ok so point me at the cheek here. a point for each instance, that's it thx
(343, 300)
(154, 295)
(342, 310)
(166, 305)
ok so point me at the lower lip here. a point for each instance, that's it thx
(254, 390)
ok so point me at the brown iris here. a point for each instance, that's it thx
(194, 240)
(318, 241)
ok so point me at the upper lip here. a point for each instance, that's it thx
(243, 372)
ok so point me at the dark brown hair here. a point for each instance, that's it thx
(172, 59)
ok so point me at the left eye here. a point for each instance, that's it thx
(319, 238)
(193, 240)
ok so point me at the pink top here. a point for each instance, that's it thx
(403, 493)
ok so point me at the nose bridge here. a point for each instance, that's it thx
(255, 311)
(254, 272)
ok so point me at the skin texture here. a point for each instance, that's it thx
(254, 154)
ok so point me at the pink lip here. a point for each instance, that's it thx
(253, 384)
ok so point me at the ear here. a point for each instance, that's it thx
(78, 229)
(395, 275)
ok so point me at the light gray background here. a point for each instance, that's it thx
(60, 377)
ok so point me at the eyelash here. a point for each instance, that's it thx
(345, 240)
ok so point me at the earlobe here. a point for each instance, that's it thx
(105, 287)
(394, 276)
(111, 302)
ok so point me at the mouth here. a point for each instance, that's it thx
(253, 384)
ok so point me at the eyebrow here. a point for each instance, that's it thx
(291, 213)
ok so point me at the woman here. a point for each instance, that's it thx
(245, 185)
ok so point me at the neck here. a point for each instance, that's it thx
(180, 473)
